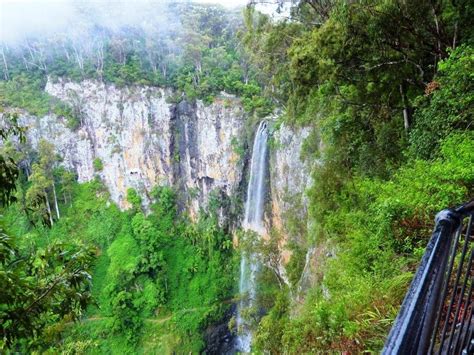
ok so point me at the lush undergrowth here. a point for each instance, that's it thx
(394, 144)
(377, 235)
(158, 280)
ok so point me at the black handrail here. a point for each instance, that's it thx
(436, 316)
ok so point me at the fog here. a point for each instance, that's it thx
(21, 19)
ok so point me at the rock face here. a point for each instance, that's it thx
(290, 177)
(204, 142)
(143, 140)
(218, 337)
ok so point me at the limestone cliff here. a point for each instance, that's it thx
(144, 140)
(290, 177)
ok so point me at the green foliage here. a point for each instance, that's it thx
(379, 228)
(134, 198)
(448, 105)
(266, 45)
(8, 169)
(238, 148)
(146, 265)
(25, 91)
(42, 286)
(209, 61)
(349, 72)
(272, 326)
(295, 265)
(42, 186)
(37, 197)
(98, 164)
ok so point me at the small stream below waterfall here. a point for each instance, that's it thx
(253, 220)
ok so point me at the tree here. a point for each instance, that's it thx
(447, 106)
(8, 169)
(266, 46)
(67, 179)
(39, 287)
(37, 197)
(42, 182)
(48, 161)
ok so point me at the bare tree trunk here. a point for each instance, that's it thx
(438, 36)
(36, 52)
(100, 59)
(163, 70)
(122, 55)
(5, 74)
(55, 200)
(152, 62)
(66, 52)
(25, 62)
(455, 34)
(79, 59)
(42, 60)
(48, 206)
(30, 51)
(406, 106)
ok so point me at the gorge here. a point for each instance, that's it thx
(142, 141)
(181, 177)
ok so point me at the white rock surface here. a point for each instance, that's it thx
(290, 176)
(143, 140)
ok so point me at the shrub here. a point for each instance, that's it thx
(98, 165)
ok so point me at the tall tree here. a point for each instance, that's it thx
(48, 161)
(37, 195)
(39, 287)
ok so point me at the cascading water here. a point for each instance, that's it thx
(253, 220)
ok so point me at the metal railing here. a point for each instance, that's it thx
(436, 316)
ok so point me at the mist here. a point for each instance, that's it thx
(29, 19)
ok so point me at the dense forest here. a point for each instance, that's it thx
(386, 91)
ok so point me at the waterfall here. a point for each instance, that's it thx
(253, 220)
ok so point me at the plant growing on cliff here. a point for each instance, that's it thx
(147, 265)
(448, 107)
(134, 198)
(98, 164)
(238, 148)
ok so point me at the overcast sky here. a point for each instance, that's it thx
(21, 18)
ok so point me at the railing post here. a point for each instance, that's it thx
(414, 324)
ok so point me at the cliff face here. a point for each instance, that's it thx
(143, 140)
(290, 176)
